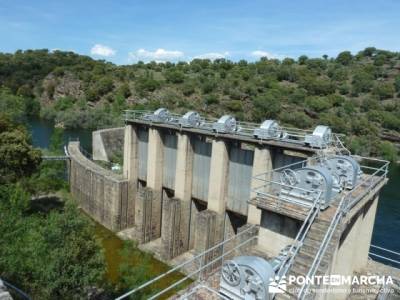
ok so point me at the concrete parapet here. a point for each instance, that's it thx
(100, 192)
(107, 143)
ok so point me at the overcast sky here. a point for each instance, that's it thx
(127, 31)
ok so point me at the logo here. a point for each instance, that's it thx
(277, 285)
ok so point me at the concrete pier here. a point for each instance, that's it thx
(130, 170)
(149, 198)
(177, 211)
(262, 164)
(218, 177)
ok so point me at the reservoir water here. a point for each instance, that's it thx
(387, 224)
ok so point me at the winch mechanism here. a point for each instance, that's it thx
(269, 129)
(190, 119)
(345, 168)
(320, 138)
(225, 124)
(303, 185)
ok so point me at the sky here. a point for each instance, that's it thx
(124, 32)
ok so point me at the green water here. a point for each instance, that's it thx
(113, 245)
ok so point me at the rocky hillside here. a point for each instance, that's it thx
(355, 94)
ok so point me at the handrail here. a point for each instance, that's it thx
(198, 256)
(299, 240)
(384, 249)
(210, 263)
(385, 257)
(344, 207)
(324, 245)
(292, 135)
(267, 181)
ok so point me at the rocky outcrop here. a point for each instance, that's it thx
(56, 87)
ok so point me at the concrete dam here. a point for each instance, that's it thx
(206, 191)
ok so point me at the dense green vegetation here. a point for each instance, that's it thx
(355, 94)
(48, 248)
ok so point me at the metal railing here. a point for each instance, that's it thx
(267, 186)
(339, 146)
(196, 289)
(298, 242)
(55, 157)
(384, 257)
(346, 204)
(288, 134)
(197, 263)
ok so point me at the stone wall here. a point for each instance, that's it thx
(100, 192)
(107, 143)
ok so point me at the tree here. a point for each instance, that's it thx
(302, 59)
(146, 84)
(53, 256)
(124, 90)
(369, 51)
(397, 83)
(174, 76)
(267, 105)
(344, 58)
(12, 106)
(388, 151)
(362, 82)
(18, 158)
(318, 104)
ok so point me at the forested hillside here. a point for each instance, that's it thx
(355, 94)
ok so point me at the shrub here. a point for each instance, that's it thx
(234, 105)
(383, 90)
(174, 76)
(211, 99)
(388, 151)
(317, 104)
